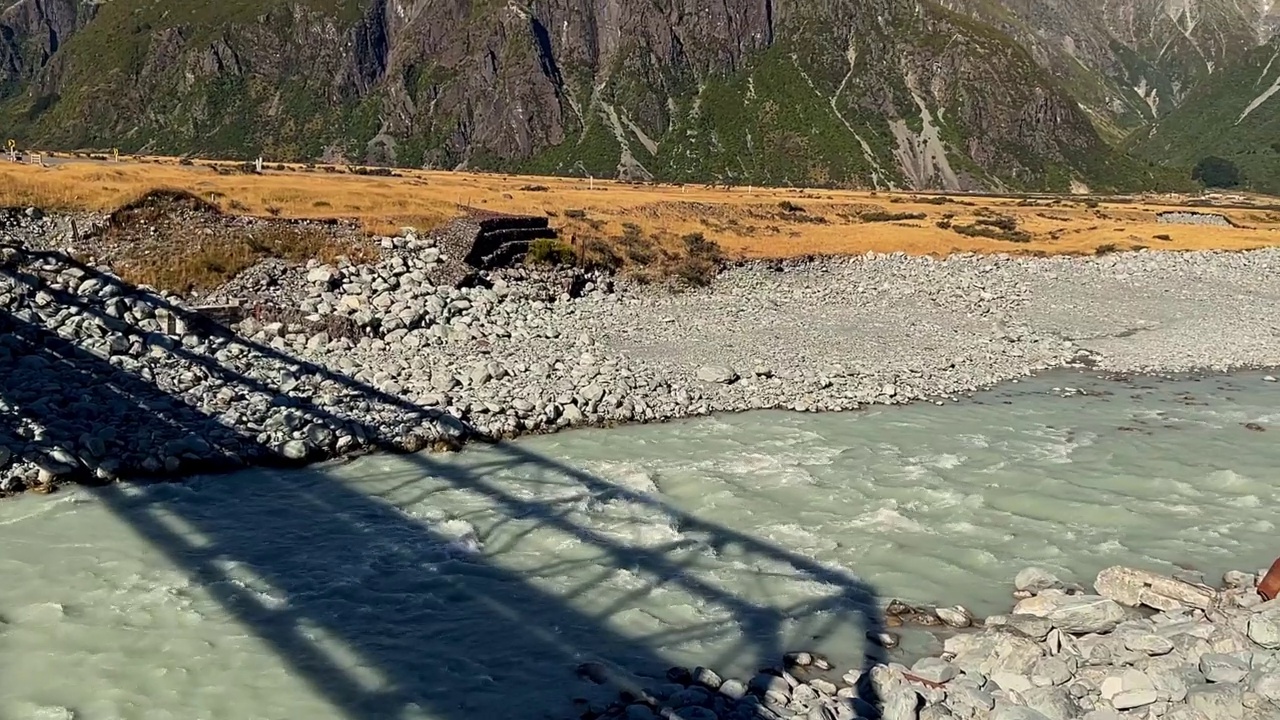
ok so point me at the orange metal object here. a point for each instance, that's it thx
(1269, 588)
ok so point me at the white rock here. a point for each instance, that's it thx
(1133, 698)
(1016, 682)
(571, 415)
(1074, 613)
(935, 670)
(956, 617)
(1130, 679)
(1148, 643)
(320, 275)
(1035, 579)
(716, 374)
(294, 450)
(1264, 628)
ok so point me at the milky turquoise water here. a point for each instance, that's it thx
(470, 586)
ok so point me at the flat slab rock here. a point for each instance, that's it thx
(1138, 588)
(1074, 613)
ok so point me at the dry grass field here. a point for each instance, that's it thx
(745, 222)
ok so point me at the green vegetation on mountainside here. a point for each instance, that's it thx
(846, 95)
(126, 80)
(1236, 117)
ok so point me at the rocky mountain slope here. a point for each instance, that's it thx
(1129, 62)
(883, 93)
(1237, 117)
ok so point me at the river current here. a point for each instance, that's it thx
(472, 585)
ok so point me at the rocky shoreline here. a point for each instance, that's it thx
(105, 380)
(1141, 645)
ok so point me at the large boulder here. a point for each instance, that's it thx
(993, 651)
(1076, 614)
(1034, 579)
(1264, 625)
(1135, 588)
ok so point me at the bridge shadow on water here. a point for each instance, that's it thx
(373, 607)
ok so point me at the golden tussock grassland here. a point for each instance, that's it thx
(744, 222)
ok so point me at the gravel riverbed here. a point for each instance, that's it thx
(103, 379)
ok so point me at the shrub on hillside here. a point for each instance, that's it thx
(1216, 172)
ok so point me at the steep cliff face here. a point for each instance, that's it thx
(887, 93)
(31, 33)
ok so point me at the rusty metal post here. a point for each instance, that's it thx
(1269, 588)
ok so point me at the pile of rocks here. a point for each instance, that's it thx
(1141, 645)
(1193, 218)
(104, 380)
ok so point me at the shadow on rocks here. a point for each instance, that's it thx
(433, 633)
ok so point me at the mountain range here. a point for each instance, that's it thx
(908, 94)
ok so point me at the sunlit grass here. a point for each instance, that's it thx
(748, 222)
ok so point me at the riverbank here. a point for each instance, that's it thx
(1135, 645)
(108, 380)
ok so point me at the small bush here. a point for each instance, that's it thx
(870, 216)
(1001, 222)
(575, 213)
(549, 252)
(274, 210)
(1216, 172)
(598, 254)
(696, 245)
(375, 171)
(635, 246)
(1106, 249)
(694, 272)
(534, 188)
(992, 232)
(789, 207)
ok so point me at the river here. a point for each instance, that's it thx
(471, 585)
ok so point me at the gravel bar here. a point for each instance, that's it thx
(105, 380)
